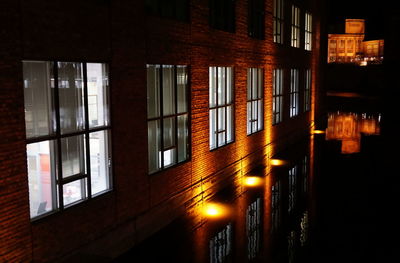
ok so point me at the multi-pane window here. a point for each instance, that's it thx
(295, 32)
(292, 188)
(221, 246)
(254, 100)
(278, 21)
(221, 106)
(294, 92)
(174, 9)
(307, 90)
(67, 129)
(276, 206)
(256, 19)
(167, 116)
(308, 32)
(277, 96)
(222, 15)
(253, 228)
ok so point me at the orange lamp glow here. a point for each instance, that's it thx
(214, 210)
(318, 132)
(277, 162)
(253, 181)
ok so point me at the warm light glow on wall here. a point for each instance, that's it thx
(253, 181)
(277, 162)
(215, 210)
(318, 132)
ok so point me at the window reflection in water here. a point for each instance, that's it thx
(304, 229)
(276, 199)
(292, 188)
(221, 245)
(253, 228)
(348, 128)
(291, 246)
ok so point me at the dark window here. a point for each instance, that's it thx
(256, 19)
(175, 9)
(222, 15)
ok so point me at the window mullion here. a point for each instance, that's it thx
(87, 139)
(58, 140)
(226, 107)
(176, 113)
(161, 116)
(217, 108)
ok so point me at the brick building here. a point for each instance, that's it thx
(118, 116)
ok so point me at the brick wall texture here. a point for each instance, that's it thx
(120, 33)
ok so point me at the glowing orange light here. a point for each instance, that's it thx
(214, 210)
(277, 162)
(253, 181)
(318, 132)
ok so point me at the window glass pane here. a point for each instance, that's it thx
(153, 91)
(260, 115)
(260, 84)
(229, 122)
(70, 83)
(153, 133)
(255, 114)
(248, 117)
(74, 191)
(182, 80)
(213, 128)
(169, 157)
(182, 138)
(99, 161)
(229, 83)
(213, 86)
(221, 126)
(248, 84)
(169, 132)
(40, 159)
(97, 85)
(254, 82)
(221, 86)
(38, 98)
(72, 155)
(168, 80)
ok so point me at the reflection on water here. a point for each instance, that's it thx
(348, 128)
(253, 228)
(221, 245)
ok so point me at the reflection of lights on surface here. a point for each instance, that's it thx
(253, 181)
(214, 210)
(277, 162)
(318, 132)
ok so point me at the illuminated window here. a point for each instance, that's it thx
(221, 106)
(307, 90)
(276, 206)
(222, 15)
(256, 19)
(167, 116)
(308, 32)
(292, 188)
(253, 228)
(295, 35)
(68, 130)
(294, 92)
(278, 21)
(255, 117)
(221, 246)
(277, 96)
(175, 9)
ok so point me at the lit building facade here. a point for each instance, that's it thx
(120, 117)
(351, 47)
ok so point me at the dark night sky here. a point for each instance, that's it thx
(371, 11)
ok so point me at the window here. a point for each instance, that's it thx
(68, 130)
(294, 92)
(307, 90)
(277, 96)
(256, 19)
(308, 32)
(295, 39)
(175, 9)
(167, 116)
(222, 15)
(276, 206)
(221, 106)
(292, 188)
(254, 100)
(278, 21)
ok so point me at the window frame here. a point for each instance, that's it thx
(256, 19)
(277, 95)
(175, 115)
(294, 93)
(278, 21)
(56, 135)
(295, 27)
(225, 11)
(225, 106)
(255, 100)
(308, 31)
(307, 89)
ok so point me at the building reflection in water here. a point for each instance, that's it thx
(276, 206)
(221, 245)
(253, 228)
(292, 187)
(348, 128)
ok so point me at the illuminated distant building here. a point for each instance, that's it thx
(350, 47)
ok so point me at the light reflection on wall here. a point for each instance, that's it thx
(348, 128)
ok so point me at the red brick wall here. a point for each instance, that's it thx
(118, 32)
